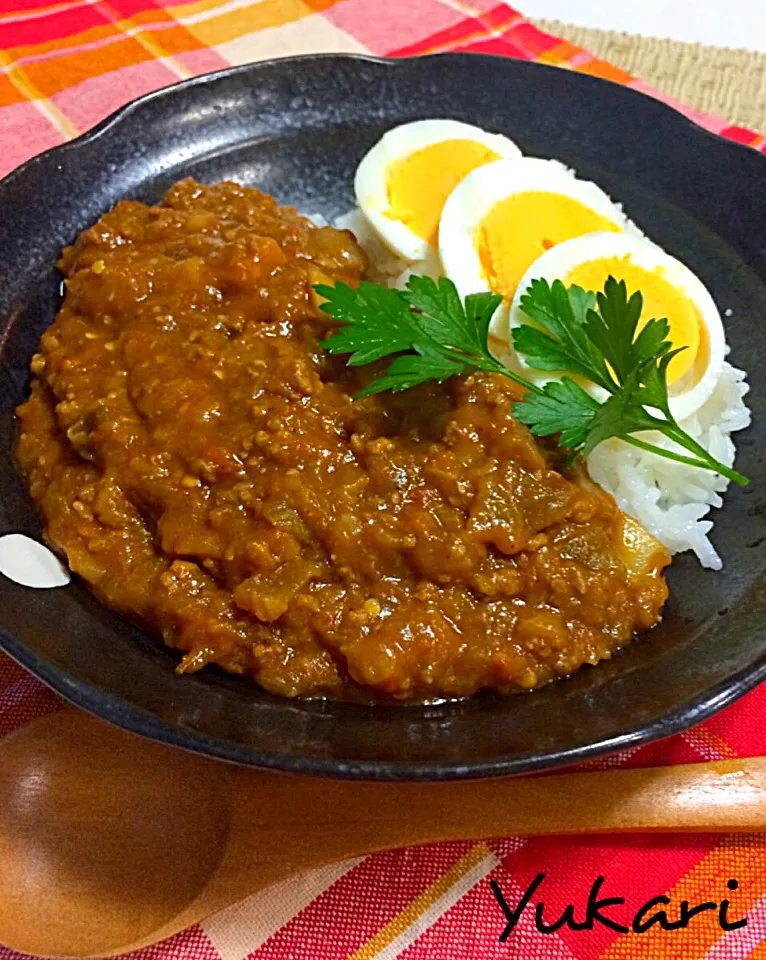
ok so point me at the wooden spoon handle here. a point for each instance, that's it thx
(295, 824)
(355, 818)
(720, 796)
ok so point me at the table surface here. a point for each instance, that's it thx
(726, 23)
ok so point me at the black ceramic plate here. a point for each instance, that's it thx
(297, 128)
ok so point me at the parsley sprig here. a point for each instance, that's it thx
(432, 335)
(435, 335)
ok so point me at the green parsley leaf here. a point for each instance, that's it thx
(655, 383)
(409, 370)
(479, 309)
(377, 322)
(441, 314)
(612, 330)
(560, 341)
(563, 408)
(620, 415)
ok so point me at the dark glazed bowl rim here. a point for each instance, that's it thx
(134, 718)
(122, 113)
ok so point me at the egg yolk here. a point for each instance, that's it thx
(661, 299)
(418, 185)
(521, 227)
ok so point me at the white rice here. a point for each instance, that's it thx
(671, 500)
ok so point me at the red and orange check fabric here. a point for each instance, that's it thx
(63, 67)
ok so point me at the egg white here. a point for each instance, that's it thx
(370, 183)
(475, 196)
(561, 260)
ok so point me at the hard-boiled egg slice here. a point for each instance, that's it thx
(504, 215)
(669, 289)
(402, 183)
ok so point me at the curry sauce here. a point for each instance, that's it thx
(202, 464)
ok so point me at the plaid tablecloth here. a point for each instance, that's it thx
(66, 65)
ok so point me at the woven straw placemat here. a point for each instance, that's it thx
(729, 83)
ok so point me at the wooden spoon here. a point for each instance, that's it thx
(109, 842)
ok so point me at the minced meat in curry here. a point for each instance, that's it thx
(202, 464)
